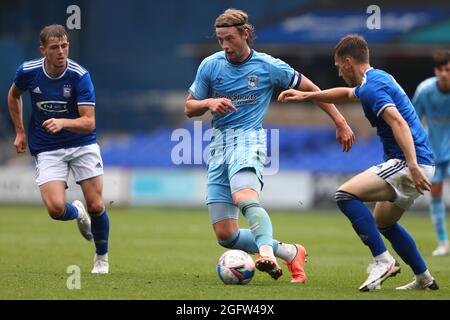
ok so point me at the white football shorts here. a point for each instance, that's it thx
(85, 162)
(396, 173)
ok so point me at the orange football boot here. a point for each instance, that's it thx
(297, 265)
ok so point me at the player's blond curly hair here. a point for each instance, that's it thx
(238, 19)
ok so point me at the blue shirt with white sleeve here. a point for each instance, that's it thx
(55, 98)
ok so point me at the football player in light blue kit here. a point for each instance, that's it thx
(236, 85)
(432, 102)
(61, 137)
(394, 184)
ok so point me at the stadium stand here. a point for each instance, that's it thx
(300, 148)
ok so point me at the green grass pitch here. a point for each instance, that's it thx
(171, 255)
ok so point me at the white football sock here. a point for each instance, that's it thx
(286, 251)
(266, 251)
(384, 257)
(424, 277)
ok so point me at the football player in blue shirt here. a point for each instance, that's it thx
(394, 184)
(236, 86)
(61, 136)
(432, 102)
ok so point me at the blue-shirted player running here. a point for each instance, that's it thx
(236, 85)
(394, 184)
(62, 138)
(432, 102)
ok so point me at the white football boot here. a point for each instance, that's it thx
(101, 264)
(83, 221)
(379, 272)
(441, 250)
(416, 284)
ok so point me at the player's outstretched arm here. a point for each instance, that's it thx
(402, 134)
(334, 95)
(344, 133)
(15, 106)
(196, 108)
(84, 123)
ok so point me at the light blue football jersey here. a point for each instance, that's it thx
(249, 85)
(378, 91)
(55, 98)
(434, 104)
(238, 140)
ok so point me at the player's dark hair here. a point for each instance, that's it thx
(54, 30)
(354, 46)
(441, 58)
(238, 19)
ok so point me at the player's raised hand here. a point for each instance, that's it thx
(221, 105)
(345, 136)
(21, 142)
(421, 182)
(53, 125)
(293, 95)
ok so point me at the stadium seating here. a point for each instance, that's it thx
(300, 148)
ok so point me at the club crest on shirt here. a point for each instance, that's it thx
(252, 82)
(67, 91)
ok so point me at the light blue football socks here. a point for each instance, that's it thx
(244, 240)
(259, 222)
(437, 214)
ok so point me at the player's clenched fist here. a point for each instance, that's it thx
(53, 125)
(20, 142)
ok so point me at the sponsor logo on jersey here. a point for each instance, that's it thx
(52, 106)
(236, 99)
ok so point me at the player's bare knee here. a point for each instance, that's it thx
(227, 238)
(342, 195)
(56, 211)
(237, 197)
(237, 200)
(436, 190)
(224, 231)
(244, 195)
(379, 222)
(95, 208)
(383, 223)
(224, 234)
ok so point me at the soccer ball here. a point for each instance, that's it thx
(235, 267)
